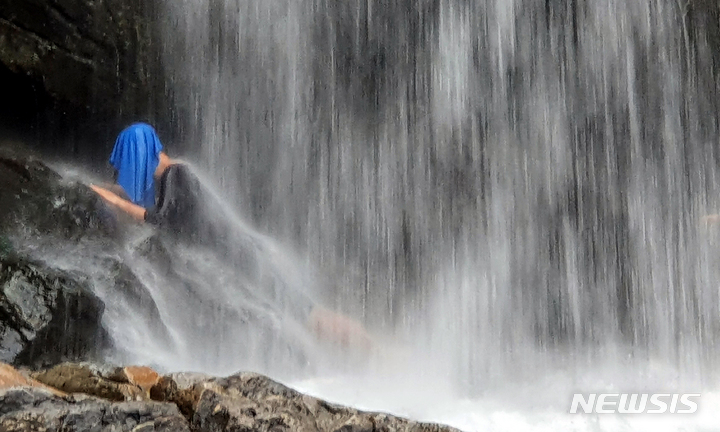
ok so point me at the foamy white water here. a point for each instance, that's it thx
(531, 408)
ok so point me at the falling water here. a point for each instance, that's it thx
(508, 190)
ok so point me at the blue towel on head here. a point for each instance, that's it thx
(136, 156)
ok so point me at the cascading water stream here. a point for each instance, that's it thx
(510, 191)
(560, 152)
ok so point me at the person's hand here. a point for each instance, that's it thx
(339, 329)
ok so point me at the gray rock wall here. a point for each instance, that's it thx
(86, 52)
(74, 72)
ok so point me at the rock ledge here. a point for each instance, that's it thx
(86, 397)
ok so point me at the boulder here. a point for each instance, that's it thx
(142, 377)
(182, 392)
(12, 378)
(248, 401)
(133, 294)
(47, 315)
(38, 200)
(32, 409)
(75, 397)
(106, 382)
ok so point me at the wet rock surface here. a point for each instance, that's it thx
(108, 398)
(82, 247)
(46, 315)
(38, 200)
(249, 401)
(80, 50)
(30, 409)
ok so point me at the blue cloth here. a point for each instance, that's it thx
(136, 156)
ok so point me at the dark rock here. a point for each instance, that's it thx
(6, 248)
(47, 315)
(73, 73)
(36, 198)
(80, 50)
(132, 292)
(30, 409)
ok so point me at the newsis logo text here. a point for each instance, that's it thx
(635, 403)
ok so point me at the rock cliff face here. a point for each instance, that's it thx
(80, 50)
(75, 71)
(59, 244)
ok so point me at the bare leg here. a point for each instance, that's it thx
(339, 329)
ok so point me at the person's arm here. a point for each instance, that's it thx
(116, 189)
(135, 211)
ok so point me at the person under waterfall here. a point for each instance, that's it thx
(141, 164)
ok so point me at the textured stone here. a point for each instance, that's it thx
(46, 315)
(12, 378)
(30, 409)
(35, 198)
(112, 384)
(243, 402)
(84, 51)
(253, 402)
(141, 376)
(185, 393)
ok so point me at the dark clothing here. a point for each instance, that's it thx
(177, 207)
(185, 209)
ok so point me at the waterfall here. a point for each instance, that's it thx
(494, 174)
